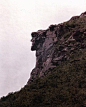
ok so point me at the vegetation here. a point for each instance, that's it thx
(64, 86)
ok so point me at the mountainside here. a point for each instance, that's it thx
(57, 44)
(59, 78)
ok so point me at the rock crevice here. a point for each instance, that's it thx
(56, 44)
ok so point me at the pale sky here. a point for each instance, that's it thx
(18, 18)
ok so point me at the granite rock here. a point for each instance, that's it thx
(55, 45)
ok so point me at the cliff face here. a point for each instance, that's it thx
(59, 77)
(57, 44)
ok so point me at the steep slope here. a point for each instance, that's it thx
(57, 44)
(59, 78)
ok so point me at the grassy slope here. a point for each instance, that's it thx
(65, 86)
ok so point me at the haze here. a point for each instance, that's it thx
(18, 18)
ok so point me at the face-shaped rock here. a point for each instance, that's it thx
(37, 40)
(34, 41)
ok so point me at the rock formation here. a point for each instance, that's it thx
(56, 44)
(59, 77)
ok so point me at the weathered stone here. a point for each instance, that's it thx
(65, 49)
(52, 47)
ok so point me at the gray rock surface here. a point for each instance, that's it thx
(53, 46)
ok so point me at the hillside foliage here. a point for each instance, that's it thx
(64, 86)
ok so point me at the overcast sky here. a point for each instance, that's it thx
(18, 18)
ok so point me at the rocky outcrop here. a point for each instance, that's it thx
(55, 45)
